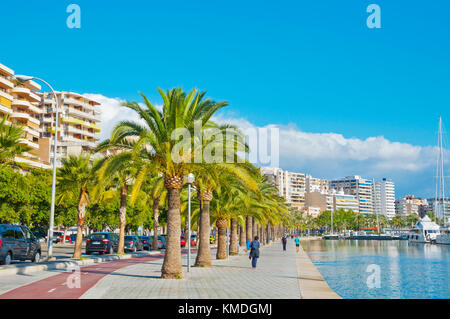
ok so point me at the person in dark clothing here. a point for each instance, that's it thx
(254, 251)
(284, 241)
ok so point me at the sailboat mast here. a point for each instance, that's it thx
(441, 176)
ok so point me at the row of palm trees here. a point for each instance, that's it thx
(148, 161)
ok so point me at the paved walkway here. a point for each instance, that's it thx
(275, 277)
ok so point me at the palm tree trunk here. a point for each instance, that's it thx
(172, 267)
(203, 258)
(123, 216)
(222, 238)
(249, 228)
(81, 210)
(267, 233)
(155, 223)
(242, 236)
(254, 229)
(233, 239)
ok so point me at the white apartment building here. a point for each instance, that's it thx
(78, 123)
(384, 198)
(20, 103)
(290, 185)
(357, 186)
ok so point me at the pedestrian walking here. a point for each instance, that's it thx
(284, 241)
(254, 251)
(297, 243)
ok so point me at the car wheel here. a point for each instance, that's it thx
(37, 257)
(8, 259)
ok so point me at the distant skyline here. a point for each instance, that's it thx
(347, 99)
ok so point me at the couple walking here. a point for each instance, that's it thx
(297, 242)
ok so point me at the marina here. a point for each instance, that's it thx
(404, 269)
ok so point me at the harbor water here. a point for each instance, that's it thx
(357, 269)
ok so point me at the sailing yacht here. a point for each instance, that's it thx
(444, 235)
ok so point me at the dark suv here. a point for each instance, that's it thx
(102, 243)
(18, 243)
(133, 243)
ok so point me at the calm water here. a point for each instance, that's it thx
(406, 270)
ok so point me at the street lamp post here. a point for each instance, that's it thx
(22, 79)
(190, 180)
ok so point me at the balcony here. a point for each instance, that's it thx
(26, 104)
(70, 100)
(5, 83)
(5, 70)
(5, 96)
(5, 109)
(75, 130)
(26, 116)
(28, 143)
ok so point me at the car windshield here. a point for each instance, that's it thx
(97, 236)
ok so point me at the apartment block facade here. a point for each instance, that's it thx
(357, 186)
(384, 198)
(36, 112)
(409, 205)
(20, 103)
(78, 123)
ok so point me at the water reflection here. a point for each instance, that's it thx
(407, 270)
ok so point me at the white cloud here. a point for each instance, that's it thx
(326, 155)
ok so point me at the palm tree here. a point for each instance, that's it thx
(160, 137)
(10, 147)
(75, 178)
(117, 172)
(412, 219)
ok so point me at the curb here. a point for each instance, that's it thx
(53, 265)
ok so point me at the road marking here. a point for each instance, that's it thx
(51, 290)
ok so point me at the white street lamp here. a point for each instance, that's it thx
(190, 180)
(22, 79)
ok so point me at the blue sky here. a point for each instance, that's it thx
(312, 64)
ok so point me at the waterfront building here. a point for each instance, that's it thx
(20, 103)
(321, 200)
(409, 205)
(312, 211)
(384, 198)
(316, 184)
(344, 201)
(78, 124)
(290, 185)
(359, 187)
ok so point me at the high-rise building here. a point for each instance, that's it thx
(360, 187)
(20, 103)
(321, 200)
(316, 184)
(290, 185)
(344, 201)
(384, 198)
(78, 123)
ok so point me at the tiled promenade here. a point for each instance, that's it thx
(275, 277)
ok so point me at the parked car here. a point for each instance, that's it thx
(161, 242)
(182, 241)
(211, 239)
(73, 238)
(39, 237)
(146, 242)
(18, 243)
(193, 240)
(57, 236)
(133, 243)
(102, 243)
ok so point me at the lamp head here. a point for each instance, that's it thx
(190, 178)
(23, 78)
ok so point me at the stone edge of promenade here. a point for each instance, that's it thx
(312, 285)
(62, 264)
